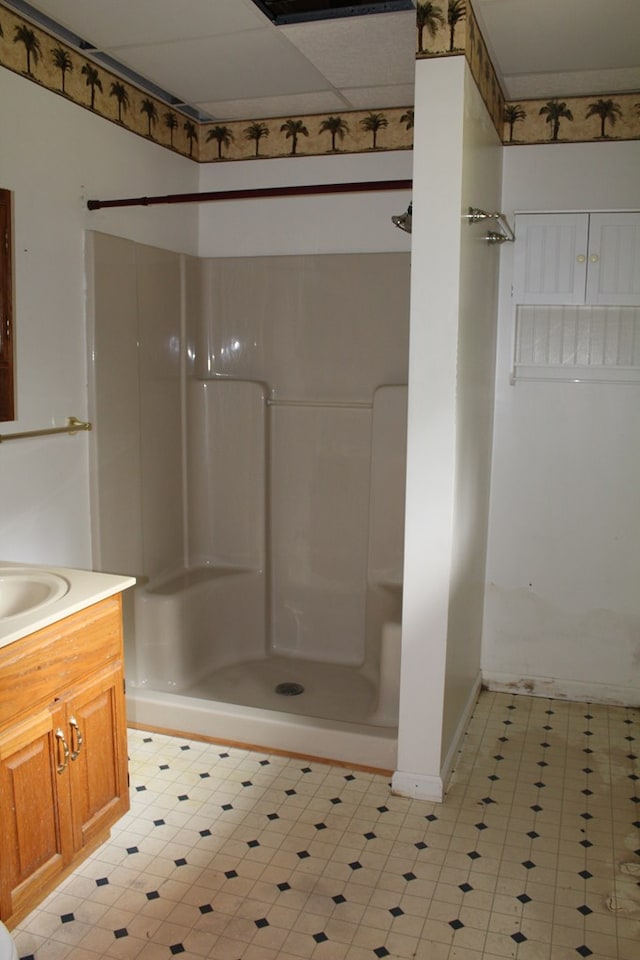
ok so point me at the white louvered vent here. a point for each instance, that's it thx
(577, 343)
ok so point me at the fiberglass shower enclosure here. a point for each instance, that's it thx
(249, 469)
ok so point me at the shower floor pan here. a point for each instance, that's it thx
(330, 691)
(332, 719)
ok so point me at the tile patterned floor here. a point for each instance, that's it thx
(228, 854)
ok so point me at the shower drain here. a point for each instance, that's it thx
(289, 689)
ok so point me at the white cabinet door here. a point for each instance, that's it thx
(613, 275)
(550, 258)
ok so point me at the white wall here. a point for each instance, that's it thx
(453, 284)
(326, 223)
(479, 272)
(562, 613)
(53, 155)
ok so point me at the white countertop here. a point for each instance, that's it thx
(85, 588)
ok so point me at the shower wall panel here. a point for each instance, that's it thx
(226, 473)
(320, 334)
(116, 464)
(160, 409)
(323, 328)
(319, 531)
(388, 469)
(137, 481)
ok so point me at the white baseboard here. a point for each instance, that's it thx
(454, 747)
(579, 690)
(419, 786)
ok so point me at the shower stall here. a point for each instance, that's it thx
(248, 468)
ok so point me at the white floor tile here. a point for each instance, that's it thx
(234, 855)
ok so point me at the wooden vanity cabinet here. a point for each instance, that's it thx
(63, 757)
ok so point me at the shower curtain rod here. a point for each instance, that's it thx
(367, 186)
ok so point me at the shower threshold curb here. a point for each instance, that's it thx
(337, 741)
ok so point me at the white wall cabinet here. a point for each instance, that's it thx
(613, 270)
(577, 258)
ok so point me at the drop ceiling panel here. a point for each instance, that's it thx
(372, 98)
(360, 51)
(528, 38)
(234, 67)
(562, 36)
(580, 83)
(109, 23)
(286, 106)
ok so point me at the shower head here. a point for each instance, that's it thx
(475, 215)
(404, 220)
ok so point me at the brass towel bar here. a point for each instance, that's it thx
(73, 426)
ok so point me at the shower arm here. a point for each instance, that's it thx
(475, 215)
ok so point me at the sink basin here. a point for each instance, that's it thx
(23, 590)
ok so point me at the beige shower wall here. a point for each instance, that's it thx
(301, 475)
(137, 478)
(326, 327)
(322, 334)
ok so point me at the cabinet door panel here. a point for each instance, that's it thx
(550, 258)
(97, 731)
(35, 839)
(614, 259)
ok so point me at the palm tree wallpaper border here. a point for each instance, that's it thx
(310, 135)
(30, 51)
(448, 28)
(573, 119)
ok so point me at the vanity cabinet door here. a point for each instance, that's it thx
(63, 751)
(96, 728)
(36, 842)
